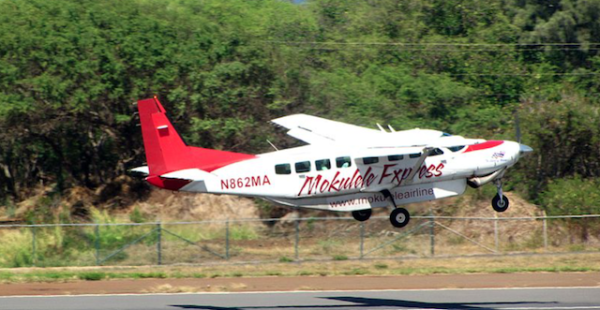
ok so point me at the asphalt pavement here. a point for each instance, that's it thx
(506, 299)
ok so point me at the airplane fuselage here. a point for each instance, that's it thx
(336, 180)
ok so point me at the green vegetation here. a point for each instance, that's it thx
(109, 243)
(340, 257)
(380, 266)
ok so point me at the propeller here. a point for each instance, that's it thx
(517, 125)
(523, 149)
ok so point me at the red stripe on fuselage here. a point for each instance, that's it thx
(483, 146)
(166, 183)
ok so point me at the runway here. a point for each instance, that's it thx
(471, 299)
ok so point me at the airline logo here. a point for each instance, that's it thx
(389, 174)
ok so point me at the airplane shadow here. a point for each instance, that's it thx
(372, 303)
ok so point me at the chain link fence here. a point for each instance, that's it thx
(300, 239)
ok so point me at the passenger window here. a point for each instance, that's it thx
(456, 148)
(436, 152)
(343, 162)
(395, 157)
(303, 166)
(415, 155)
(370, 160)
(283, 169)
(323, 164)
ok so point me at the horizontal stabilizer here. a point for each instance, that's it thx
(141, 170)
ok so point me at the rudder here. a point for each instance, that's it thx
(165, 150)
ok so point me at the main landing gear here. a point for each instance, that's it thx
(399, 216)
(362, 215)
(500, 202)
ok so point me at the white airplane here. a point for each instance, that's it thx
(344, 168)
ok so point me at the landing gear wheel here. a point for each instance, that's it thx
(500, 205)
(399, 217)
(362, 215)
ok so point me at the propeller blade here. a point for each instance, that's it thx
(517, 126)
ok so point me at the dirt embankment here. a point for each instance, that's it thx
(121, 197)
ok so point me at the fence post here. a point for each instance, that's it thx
(97, 243)
(496, 241)
(545, 228)
(33, 244)
(362, 238)
(432, 233)
(158, 243)
(297, 240)
(227, 240)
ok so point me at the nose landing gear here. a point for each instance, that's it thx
(499, 202)
(399, 216)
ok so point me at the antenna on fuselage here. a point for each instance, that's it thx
(273, 145)
(380, 128)
(391, 128)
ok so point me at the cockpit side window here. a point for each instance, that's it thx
(456, 148)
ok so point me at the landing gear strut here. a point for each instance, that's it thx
(500, 202)
(362, 215)
(399, 216)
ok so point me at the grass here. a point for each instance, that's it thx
(380, 266)
(76, 246)
(92, 276)
(501, 264)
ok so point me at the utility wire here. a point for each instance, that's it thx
(426, 43)
(447, 47)
(413, 49)
(524, 74)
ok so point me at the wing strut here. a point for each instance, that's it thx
(424, 155)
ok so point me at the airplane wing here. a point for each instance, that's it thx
(316, 130)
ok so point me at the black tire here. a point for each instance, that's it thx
(362, 215)
(500, 206)
(399, 217)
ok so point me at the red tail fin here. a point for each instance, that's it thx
(165, 150)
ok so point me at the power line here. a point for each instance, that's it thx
(525, 74)
(426, 43)
(413, 49)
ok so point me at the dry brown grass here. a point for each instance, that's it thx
(168, 288)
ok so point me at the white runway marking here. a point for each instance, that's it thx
(551, 308)
(319, 291)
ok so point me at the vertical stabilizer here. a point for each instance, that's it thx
(165, 150)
